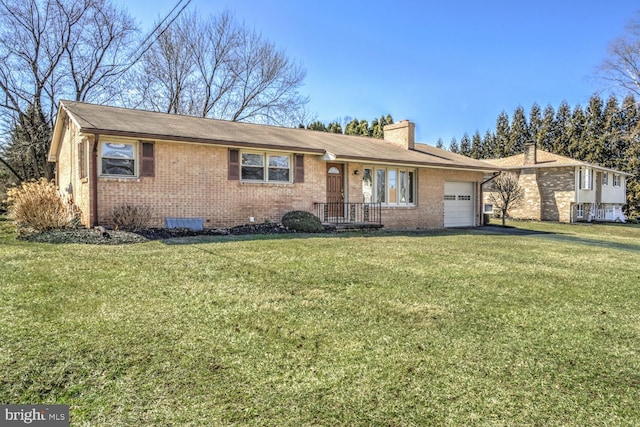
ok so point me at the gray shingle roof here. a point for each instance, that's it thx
(106, 120)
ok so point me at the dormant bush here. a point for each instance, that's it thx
(39, 205)
(131, 218)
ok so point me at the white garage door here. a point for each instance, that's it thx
(459, 204)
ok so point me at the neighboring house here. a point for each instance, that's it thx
(201, 172)
(559, 188)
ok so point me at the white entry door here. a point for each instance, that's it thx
(459, 204)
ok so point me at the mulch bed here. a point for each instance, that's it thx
(116, 237)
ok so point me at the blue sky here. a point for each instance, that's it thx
(449, 66)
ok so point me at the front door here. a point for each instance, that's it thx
(335, 189)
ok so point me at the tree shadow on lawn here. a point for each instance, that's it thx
(565, 238)
(555, 236)
(485, 230)
(203, 239)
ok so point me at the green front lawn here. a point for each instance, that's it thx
(456, 328)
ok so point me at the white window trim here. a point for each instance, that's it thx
(579, 211)
(617, 180)
(485, 208)
(386, 203)
(605, 178)
(586, 179)
(136, 158)
(265, 165)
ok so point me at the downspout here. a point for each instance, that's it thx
(495, 175)
(94, 182)
(576, 197)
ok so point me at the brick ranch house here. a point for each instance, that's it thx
(206, 173)
(559, 188)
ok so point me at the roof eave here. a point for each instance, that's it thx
(566, 165)
(52, 155)
(416, 163)
(192, 140)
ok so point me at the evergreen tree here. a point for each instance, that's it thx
(488, 145)
(629, 115)
(563, 130)
(376, 129)
(377, 126)
(334, 127)
(26, 152)
(453, 146)
(535, 123)
(519, 134)
(476, 146)
(317, 125)
(547, 134)
(353, 126)
(576, 133)
(502, 145)
(630, 125)
(358, 127)
(593, 140)
(440, 144)
(465, 145)
(628, 121)
(613, 146)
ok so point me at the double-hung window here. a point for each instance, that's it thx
(616, 180)
(586, 179)
(389, 186)
(265, 167)
(118, 159)
(605, 178)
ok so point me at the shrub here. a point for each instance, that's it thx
(302, 221)
(40, 206)
(131, 218)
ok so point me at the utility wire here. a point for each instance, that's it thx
(157, 31)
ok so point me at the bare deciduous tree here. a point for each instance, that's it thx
(622, 66)
(215, 67)
(165, 83)
(507, 193)
(53, 49)
(99, 51)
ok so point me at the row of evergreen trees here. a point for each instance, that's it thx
(606, 133)
(353, 126)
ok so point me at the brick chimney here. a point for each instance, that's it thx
(530, 154)
(402, 134)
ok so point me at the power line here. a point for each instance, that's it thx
(157, 31)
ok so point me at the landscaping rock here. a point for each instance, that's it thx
(266, 228)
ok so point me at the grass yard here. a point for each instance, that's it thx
(448, 328)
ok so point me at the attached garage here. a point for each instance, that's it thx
(459, 204)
